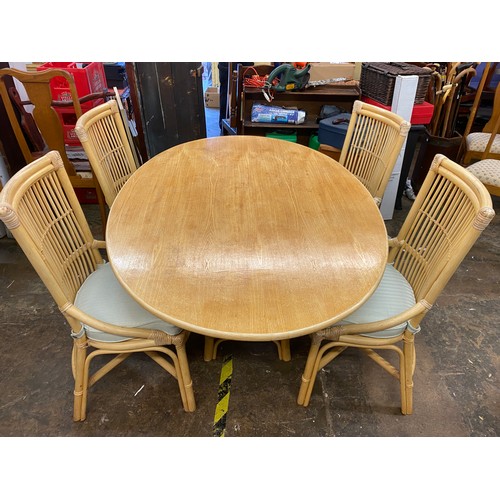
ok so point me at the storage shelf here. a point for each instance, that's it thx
(309, 100)
(312, 92)
(308, 124)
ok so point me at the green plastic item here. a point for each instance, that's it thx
(314, 142)
(290, 78)
(286, 136)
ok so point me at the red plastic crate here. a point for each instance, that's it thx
(68, 119)
(421, 113)
(89, 79)
(68, 122)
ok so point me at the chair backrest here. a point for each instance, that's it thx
(451, 210)
(494, 129)
(104, 138)
(37, 86)
(495, 112)
(39, 206)
(372, 144)
(487, 169)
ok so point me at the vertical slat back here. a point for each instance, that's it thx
(373, 141)
(441, 227)
(48, 223)
(102, 134)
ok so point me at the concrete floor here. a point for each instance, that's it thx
(456, 394)
(456, 389)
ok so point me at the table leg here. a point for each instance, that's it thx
(284, 350)
(208, 354)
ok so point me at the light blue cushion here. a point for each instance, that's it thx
(393, 296)
(102, 297)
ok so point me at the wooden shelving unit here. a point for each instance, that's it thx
(309, 100)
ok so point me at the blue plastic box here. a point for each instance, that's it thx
(332, 130)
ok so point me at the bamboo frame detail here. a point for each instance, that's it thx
(372, 145)
(104, 138)
(42, 211)
(449, 214)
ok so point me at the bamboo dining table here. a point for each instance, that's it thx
(246, 238)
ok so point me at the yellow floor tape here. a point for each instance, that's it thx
(223, 397)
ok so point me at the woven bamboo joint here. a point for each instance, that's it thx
(332, 333)
(436, 162)
(404, 128)
(81, 133)
(426, 304)
(356, 107)
(161, 338)
(483, 218)
(56, 159)
(9, 216)
(394, 242)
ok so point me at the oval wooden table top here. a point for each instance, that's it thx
(247, 238)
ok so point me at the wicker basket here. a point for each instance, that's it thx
(378, 80)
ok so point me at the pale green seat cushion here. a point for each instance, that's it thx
(393, 295)
(102, 297)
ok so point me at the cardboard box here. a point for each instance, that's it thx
(212, 97)
(327, 71)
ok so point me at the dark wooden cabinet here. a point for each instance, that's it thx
(168, 103)
(8, 142)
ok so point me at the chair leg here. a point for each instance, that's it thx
(409, 369)
(172, 367)
(78, 361)
(186, 377)
(308, 377)
(86, 384)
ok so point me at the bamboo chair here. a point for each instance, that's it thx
(39, 206)
(372, 145)
(37, 86)
(450, 212)
(106, 143)
(487, 170)
(476, 142)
